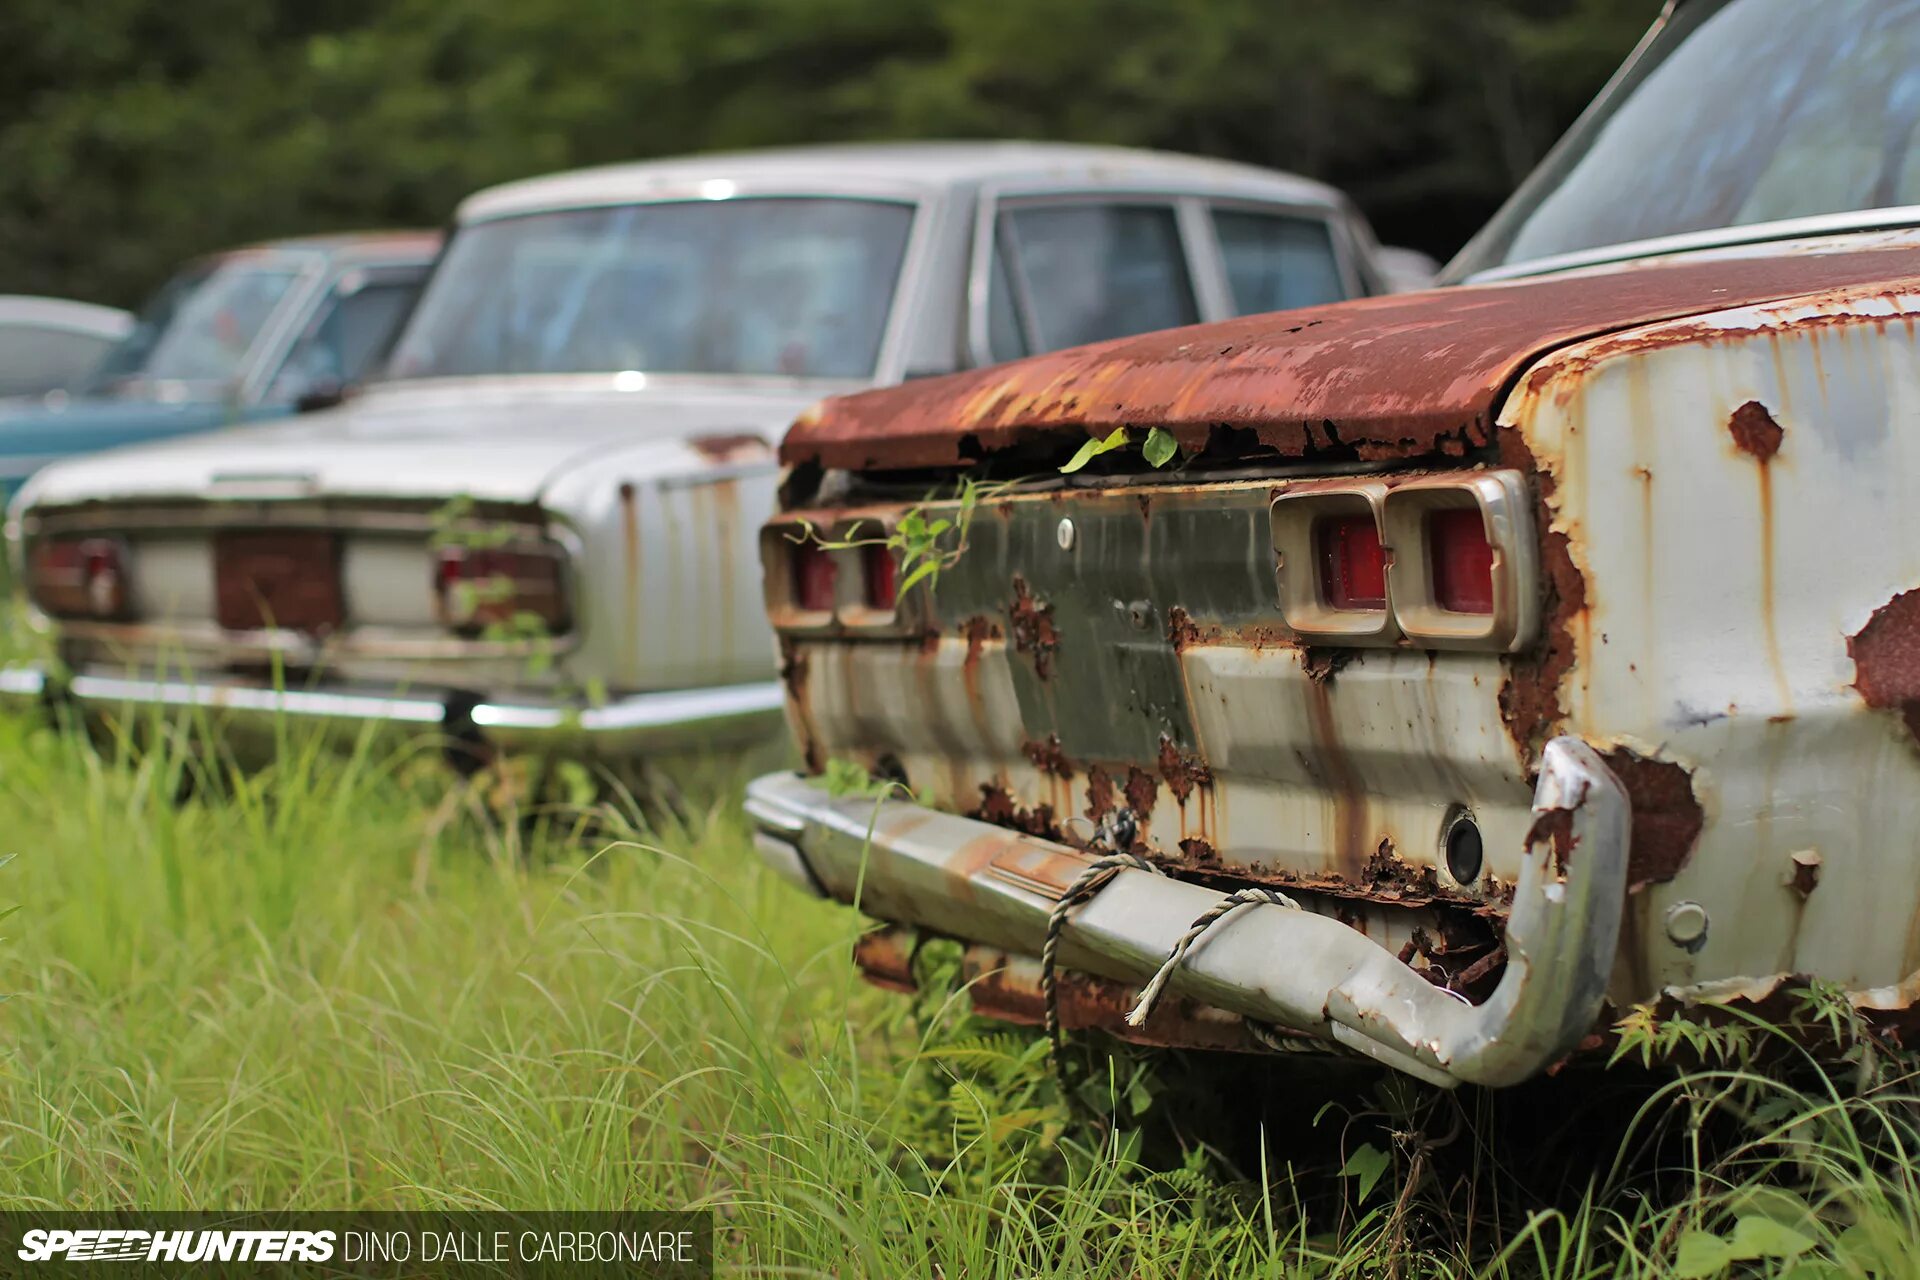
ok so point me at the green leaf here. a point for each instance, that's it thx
(1701, 1254)
(1757, 1237)
(1094, 448)
(1159, 448)
(926, 569)
(1366, 1166)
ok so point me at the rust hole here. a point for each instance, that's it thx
(1754, 431)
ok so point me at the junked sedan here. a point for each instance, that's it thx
(234, 337)
(1482, 663)
(51, 345)
(540, 527)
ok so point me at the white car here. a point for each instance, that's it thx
(541, 526)
(52, 344)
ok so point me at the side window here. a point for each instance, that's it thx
(340, 346)
(1276, 261)
(36, 359)
(1065, 274)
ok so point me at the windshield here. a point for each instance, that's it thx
(201, 325)
(793, 287)
(1738, 112)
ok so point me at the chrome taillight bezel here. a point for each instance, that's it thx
(548, 597)
(1506, 511)
(1399, 505)
(1291, 519)
(848, 540)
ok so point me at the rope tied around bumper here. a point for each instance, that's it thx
(1089, 882)
(1253, 897)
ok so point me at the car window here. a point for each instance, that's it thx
(35, 359)
(766, 286)
(1276, 261)
(338, 347)
(208, 336)
(1067, 274)
(1739, 112)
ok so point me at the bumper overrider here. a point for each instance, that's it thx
(633, 724)
(1290, 968)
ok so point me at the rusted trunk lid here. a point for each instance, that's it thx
(1376, 378)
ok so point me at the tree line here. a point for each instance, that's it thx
(134, 135)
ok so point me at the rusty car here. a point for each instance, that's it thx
(1482, 663)
(536, 532)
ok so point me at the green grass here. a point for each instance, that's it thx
(329, 983)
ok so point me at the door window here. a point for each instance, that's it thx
(1066, 274)
(341, 346)
(1276, 261)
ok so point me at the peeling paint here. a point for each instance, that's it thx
(1886, 659)
(1667, 819)
(1032, 627)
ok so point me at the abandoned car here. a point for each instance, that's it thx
(539, 528)
(234, 337)
(52, 344)
(1486, 661)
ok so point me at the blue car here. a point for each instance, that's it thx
(235, 337)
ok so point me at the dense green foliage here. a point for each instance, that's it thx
(134, 134)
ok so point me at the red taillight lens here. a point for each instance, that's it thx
(79, 578)
(1462, 560)
(882, 577)
(1353, 571)
(480, 587)
(813, 577)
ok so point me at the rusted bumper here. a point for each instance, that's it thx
(631, 725)
(1295, 969)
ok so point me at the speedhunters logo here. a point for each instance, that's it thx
(666, 1245)
(96, 1244)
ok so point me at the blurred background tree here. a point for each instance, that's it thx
(135, 134)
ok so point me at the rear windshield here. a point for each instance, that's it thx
(796, 287)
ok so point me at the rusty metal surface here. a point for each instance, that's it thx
(1886, 659)
(1395, 377)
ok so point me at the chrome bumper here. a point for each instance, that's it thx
(630, 725)
(967, 879)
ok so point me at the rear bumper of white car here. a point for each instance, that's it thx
(628, 725)
(1296, 969)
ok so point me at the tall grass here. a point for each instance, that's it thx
(335, 982)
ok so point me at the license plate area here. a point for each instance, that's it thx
(289, 580)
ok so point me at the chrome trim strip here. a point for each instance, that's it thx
(639, 722)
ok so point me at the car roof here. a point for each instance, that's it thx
(422, 245)
(64, 313)
(905, 169)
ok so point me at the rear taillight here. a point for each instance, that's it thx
(478, 587)
(815, 577)
(1461, 560)
(1353, 568)
(1433, 561)
(79, 578)
(881, 574)
(838, 573)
